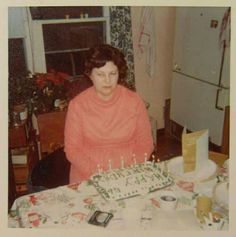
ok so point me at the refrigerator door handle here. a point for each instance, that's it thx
(217, 100)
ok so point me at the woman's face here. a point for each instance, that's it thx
(105, 80)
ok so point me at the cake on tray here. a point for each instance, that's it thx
(130, 181)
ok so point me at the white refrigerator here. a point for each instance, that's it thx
(201, 69)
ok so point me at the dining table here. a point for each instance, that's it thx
(73, 205)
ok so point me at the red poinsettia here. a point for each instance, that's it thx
(58, 78)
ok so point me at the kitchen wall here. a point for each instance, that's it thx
(157, 89)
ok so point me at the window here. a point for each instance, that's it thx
(49, 13)
(61, 36)
(66, 44)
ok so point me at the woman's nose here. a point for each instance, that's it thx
(107, 78)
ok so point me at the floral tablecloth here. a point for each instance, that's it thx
(72, 205)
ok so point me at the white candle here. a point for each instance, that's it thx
(109, 164)
(158, 162)
(145, 158)
(98, 167)
(122, 162)
(153, 162)
(134, 159)
(153, 157)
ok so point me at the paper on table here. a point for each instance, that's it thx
(194, 150)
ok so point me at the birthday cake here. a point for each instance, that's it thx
(130, 181)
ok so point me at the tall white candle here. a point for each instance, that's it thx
(98, 167)
(109, 165)
(122, 162)
(158, 163)
(134, 159)
(153, 157)
(145, 158)
(153, 160)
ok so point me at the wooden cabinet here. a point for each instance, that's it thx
(23, 155)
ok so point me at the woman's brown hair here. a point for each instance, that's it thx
(100, 55)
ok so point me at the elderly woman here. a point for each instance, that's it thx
(106, 123)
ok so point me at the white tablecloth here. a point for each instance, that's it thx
(72, 206)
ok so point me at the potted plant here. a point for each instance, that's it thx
(50, 88)
(34, 92)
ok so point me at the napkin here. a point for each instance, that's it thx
(194, 150)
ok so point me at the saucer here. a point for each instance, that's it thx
(175, 168)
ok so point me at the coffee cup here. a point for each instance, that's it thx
(168, 200)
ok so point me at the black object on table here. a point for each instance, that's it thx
(50, 172)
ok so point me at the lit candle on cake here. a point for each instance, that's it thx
(98, 167)
(145, 158)
(134, 159)
(158, 162)
(122, 162)
(109, 165)
(153, 160)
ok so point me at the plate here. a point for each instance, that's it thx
(175, 168)
(221, 195)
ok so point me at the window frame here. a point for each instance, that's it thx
(35, 51)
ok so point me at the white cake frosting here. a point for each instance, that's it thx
(130, 181)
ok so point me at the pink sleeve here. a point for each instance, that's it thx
(74, 140)
(143, 134)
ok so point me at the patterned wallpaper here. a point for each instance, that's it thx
(121, 37)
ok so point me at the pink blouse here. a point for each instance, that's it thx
(97, 131)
